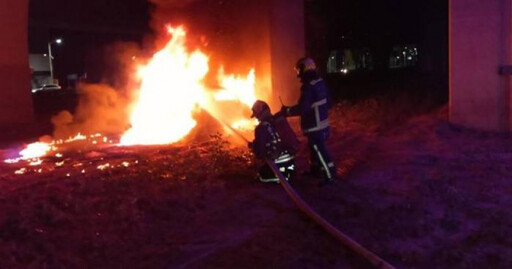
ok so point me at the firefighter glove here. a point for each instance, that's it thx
(284, 110)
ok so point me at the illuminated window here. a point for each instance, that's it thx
(348, 60)
(403, 56)
(332, 62)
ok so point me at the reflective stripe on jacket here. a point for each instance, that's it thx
(313, 106)
(267, 144)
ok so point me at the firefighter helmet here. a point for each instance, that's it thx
(259, 108)
(304, 65)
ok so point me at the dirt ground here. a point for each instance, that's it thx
(419, 192)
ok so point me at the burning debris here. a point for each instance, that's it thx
(20, 171)
(447, 197)
(33, 152)
(172, 89)
(171, 93)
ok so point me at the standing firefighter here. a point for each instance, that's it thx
(273, 140)
(313, 107)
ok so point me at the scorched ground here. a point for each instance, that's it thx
(420, 193)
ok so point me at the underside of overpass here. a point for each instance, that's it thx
(479, 57)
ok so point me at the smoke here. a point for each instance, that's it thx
(234, 34)
(101, 109)
(104, 107)
(120, 65)
(171, 3)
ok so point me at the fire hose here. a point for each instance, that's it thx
(304, 207)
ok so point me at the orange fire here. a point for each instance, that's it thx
(33, 151)
(172, 90)
(237, 88)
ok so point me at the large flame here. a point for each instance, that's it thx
(237, 88)
(170, 90)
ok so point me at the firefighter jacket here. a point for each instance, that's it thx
(313, 106)
(267, 144)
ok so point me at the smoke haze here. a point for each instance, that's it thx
(101, 109)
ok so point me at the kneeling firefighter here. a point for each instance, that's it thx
(274, 140)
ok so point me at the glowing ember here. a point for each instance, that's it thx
(59, 163)
(126, 164)
(20, 171)
(12, 160)
(35, 162)
(103, 166)
(79, 136)
(170, 90)
(35, 150)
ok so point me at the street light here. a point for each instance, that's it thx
(50, 57)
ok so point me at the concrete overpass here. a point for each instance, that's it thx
(480, 64)
(480, 58)
(15, 99)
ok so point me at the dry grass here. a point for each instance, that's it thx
(416, 190)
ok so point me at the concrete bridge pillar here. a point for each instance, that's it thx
(481, 64)
(287, 45)
(15, 96)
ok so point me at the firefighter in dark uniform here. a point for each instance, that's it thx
(268, 144)
(313, 107)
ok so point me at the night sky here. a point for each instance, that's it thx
(86, 27)
(96, 17)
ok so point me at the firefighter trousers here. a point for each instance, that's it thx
(287, 168)
(320, 159)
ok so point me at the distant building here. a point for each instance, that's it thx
(348, 60)
(40, 70)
